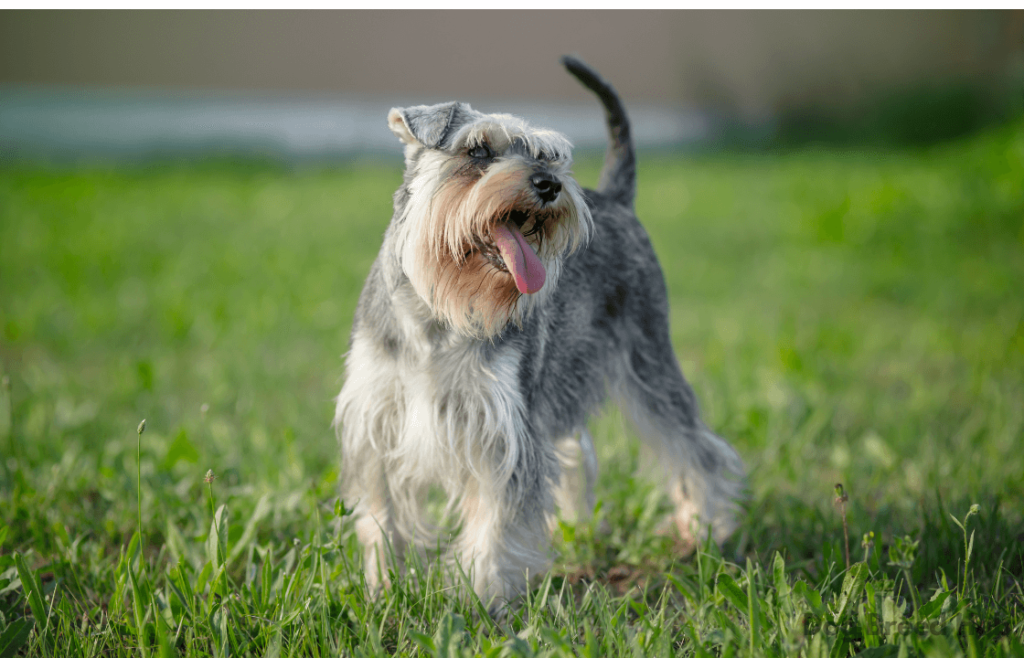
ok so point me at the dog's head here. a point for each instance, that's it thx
(488, 210)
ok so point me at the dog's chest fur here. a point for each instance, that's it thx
(448, 404)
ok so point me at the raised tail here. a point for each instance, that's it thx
(618, 176)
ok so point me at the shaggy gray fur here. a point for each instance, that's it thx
(425, 404)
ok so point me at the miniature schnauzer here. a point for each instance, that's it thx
(506, 304)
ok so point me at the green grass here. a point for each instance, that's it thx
(844, 317)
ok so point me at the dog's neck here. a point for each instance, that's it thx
(420, 331)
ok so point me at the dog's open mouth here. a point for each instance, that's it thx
(508, 251)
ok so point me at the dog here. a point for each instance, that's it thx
(506, 305)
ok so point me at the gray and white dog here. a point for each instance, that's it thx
(506, 304)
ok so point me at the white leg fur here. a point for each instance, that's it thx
(575, 502)
(376, 532)
(501, 547)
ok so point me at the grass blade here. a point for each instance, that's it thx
(14, 637)
(753, 610)
(33, 592)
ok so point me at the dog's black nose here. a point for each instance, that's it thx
(547, 186)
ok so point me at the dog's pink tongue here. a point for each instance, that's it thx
(520, 258)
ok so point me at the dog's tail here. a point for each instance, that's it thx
(618, 176)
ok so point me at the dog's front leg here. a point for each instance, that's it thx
(505, 538)
(383, 546)
(367, 419)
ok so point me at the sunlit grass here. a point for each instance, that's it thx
(844, 317)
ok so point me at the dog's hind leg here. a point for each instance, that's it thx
(706, 476)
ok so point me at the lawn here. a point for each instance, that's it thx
(844, 316)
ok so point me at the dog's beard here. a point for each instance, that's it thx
(469, 248)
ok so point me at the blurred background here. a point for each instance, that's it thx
(315, 84)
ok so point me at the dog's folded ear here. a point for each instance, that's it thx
(428, 125)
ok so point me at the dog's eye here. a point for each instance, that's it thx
(481, 152)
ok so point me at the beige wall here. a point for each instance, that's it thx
(747, 61)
